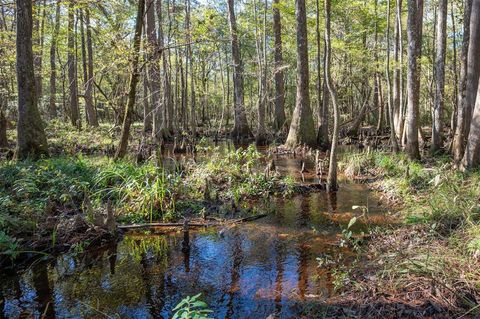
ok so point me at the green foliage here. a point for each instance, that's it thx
(192, 308)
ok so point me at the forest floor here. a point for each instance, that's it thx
(429, 266)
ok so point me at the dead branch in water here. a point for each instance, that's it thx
(153, 225)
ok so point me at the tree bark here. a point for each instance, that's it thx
(154, 71)
(89, 105)
(280, 119)
(391, 111)
(397, 71)
(72, 68)
(460, 130)
(302, 131)
(415, 26)
(471, 158)
(127, 120)
(332, 184)
(31, 139)
(241, 128)
(439, 102)
(3, 128)
(322, 108)
(52, 108)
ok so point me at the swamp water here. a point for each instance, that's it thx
(253, 270)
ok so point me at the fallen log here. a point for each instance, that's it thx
(137, 226)
(166, 225)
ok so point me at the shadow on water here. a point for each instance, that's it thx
(249, 271)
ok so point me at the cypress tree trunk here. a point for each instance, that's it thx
(241, 128)
(322, 108)
(332, 184)
(471, 158)
(72, 68)
(441, 43)
(415, 24)
(3, 129)
(302, 129)
(391, 111)
(460, 131)
(91, 111)
(31, 140)
(52, 108)
(280, 120)
(127, 120)
(154, 71)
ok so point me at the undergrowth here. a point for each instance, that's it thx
(439, 242)
(35, 194)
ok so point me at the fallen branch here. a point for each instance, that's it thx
(137, 226)
(234, 221)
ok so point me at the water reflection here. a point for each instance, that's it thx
(250, 271)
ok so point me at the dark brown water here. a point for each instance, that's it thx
(251, 271)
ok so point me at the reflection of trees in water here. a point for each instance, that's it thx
(302, 270)
(332, 202)
(235, 273)
(43, 290)
(303, 211)
(280, 268)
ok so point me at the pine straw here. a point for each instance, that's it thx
(410, 273)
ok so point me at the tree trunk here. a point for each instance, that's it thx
(397, 71)
(260, 138)
(302, 129)
(87, 73)
(439, 102)
(471, 158)
(154, 71)
(167, 85)
(241, 128)
(280, 120)
(332, 184)
(391, 111)
(473, 62)
(322, 109)
(460, 131)
(415, 25)
(127, 120)
(52, 109)
(3, 129)
(31, 139)
(38, 55)
(89, 105)
(72, 68)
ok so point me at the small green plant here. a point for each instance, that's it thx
(192, 308)
(348, 238)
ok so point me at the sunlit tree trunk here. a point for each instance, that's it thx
(332, 183)
(241, 128)
(302, 130)
(439, 102)
(471, 158)
(31, 139)
(167, 85)
(52, 108)
(460, 130)
(391, 111)
(38, 52)
(72, 68)
(415, 25)
(322, 109)
(135, 74)
(92, 112)
(153, 70)
(280, 119)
